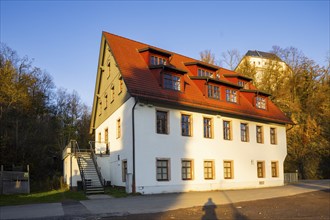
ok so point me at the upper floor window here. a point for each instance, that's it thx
(244, 132)
(118, 128)
(226, 130)
(154, 60)
(259, 133)
(207, 127)
(172, 82)
(109, 69)
(120, 84)
(273, 138)
(231, 95)
(185, 125)
(213, 92)
(161, 122)
(260, 102)
(241, 83)
(202, 72)
(245, 85)
(112, 94)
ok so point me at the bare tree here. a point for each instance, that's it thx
(231, 58)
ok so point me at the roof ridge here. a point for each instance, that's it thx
(149, 45)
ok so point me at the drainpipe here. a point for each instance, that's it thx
(133, 146)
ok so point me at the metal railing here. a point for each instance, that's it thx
(95, 164)
(76, 151)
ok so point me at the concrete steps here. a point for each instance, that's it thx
(92, 181)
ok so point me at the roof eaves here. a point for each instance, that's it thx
(238, 76)
(156, 50)
(214, 80)
(202, 64)
(167, 67)
(256, 92)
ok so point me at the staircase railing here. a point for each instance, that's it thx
(95, 163)
(75, 148)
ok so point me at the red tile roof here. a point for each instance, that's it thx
(141, 82)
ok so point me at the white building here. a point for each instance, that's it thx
(261, 62)
(174, 124)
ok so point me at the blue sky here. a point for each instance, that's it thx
(63, 37)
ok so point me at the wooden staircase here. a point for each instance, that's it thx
(92, 180)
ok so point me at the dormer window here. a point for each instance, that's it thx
(171, 82)
(202, 72)
(260, 102)
(154, 60)
(213, 91)
(231, 95)
(245, 85)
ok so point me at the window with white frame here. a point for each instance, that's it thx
(213, 91)
(187, 169)
(155, 60)
(231, 95)
(172, 82)
(261, 102)
(202, 72)
(244, 132)
(162, 167)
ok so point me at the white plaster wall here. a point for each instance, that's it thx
(75, 171)
(120, 148)
(150, 145)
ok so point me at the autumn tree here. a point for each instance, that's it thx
(35, 121)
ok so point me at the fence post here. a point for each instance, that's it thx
(28, 171)
(1, 180)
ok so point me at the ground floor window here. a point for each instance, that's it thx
(274, 169)
(208, 169)
(261, 169)
(162, 169)
(187, 169)
(228, 169)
